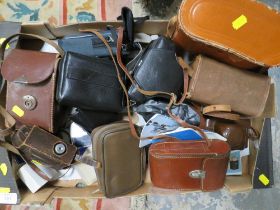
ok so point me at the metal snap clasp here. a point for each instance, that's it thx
(197, 174)
(29, 102)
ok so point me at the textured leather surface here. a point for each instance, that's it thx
(89, 44)
(123, 163)
(37, 144)
(217, 83)
(171, 163)
(206, 27)
(237, 133)
(92, 119)
(157, 70)
(22, 73)
(89, 83)
(21, 67)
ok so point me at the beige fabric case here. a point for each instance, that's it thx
(122, 164)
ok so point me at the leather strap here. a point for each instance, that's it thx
(220, 111)
(10, 123)
(132, 128)
(224, 115)
(172, 99)
(171, 27)
(119, 59)
(215, 108)
(185, 68)
(14, 150)
(3, 46)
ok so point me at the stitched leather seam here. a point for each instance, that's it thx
(46, 154)
(182, 157)
(52, 103)
(24, 141)
(262, 106)
(203, 168)
(195, 78)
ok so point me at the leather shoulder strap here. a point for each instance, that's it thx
(4, 44)
(220, 111)
(9, 124)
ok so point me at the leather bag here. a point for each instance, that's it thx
(157, 70)
(189, 165)
(91, 119)
(31, 78)
(237, 133)
(121, 163)
(230, 31)
(89, 83)
(213, 83)
(37, 144)
(89, 44)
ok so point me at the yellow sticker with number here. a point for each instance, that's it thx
(18, 111)
(263, 179)
(239, 22)
(36, 162)
(5, 190)
(3, 169)
(1, 42)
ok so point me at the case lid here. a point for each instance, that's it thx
(28, 67)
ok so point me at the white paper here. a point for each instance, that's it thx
(48, 48)
(8, 198)
(30, 178)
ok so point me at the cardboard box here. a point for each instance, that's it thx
(233, 183)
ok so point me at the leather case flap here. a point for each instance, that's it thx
(196, 148)
(28, 67)
(149, 76)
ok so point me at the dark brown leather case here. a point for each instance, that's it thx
(37, 144)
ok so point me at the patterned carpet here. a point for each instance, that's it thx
(60, 12)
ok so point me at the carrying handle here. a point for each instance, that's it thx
(4, 44)
(220, 111)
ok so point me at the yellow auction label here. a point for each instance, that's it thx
(36, 162)
(5, 190)
(4, 169)
(1, 42)
(239, 22)
(18, 111)
(263, 179)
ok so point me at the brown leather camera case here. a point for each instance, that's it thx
(37, 144)
(213, 82)
(189, 165)
(230, 31)
(31, 79)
